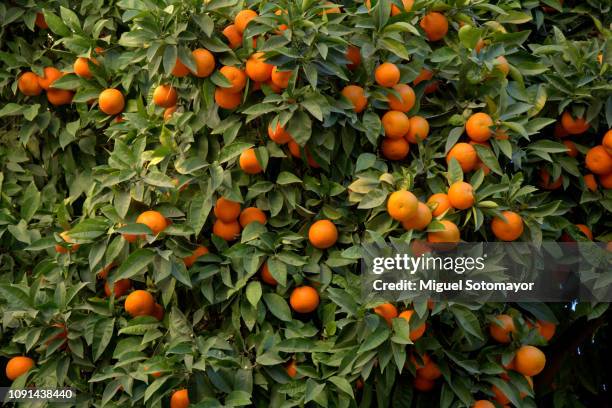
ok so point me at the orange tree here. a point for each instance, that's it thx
(185, 187)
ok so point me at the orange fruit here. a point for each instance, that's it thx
(415, 332)
(291, 368)
(395, 149)
(58, 97)
(121, 287)
(478, 127)
(17, 366)
(198, 252)
(571, 148)
(235, 76)
(180, 70)
(165, 96)
(423, 385)
(500, 397)
(81, 67)
(281, 27)
(387, 311)
(396, 124)
(605, 180)
(204, 61)
(252, 214)
(139, 303)
(501, 63)
(63, 250)
(40, 21)
(279, 135)
(407, 7)
(294, 149)
(154, 220)
(465, 154)
(560, 130)
(483, 404)
(103, 273)
(479, 45)
(546, 183)
(510, 229)
(450, 234)
(420, 220)
(424, 75)
(168, 113)
(180, 399)
(243, 18)
(322, 234)
(356, 95)
(227, 99)
(598, 160)
(424, 359)
(429, 371)
(607, 141)
(249, 163)
(529, 360)
(419, 129)
(280, 78)
(435, 25)
(440, 203)
(234, 37)
(407, 100)
(574, 126)
(111, 101)
(387, 75)
(266, 276)
(50, 74)
(304, 299)
(502, 333)
(158, 313)
(354, 56)
(28, 84)
(257, 69)
(590, 182)
(402, 205)
(461, 195)
(227, 210)
(546, 329)
(228, 231)
(586, 231)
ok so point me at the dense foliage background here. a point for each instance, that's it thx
(226, 335)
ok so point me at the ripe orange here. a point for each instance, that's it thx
(198, 252)
(121, 287)
(234, 37)
(510, 229)
(180, 399)
(154, 220)
(28, 84)
(168, 113)
(396, 124)
(291, 368)
(423, 385)
(228, 231)
(429, 371)
(249, 163)
(586, 231)
(294, 149)
(500, 397)
(501, 63)
(111, 101)
(58, 97)
(606, 180)
(440, 203)
(435, 26)
(546, 183)
(281, 27)
(63, 250)
(502, 333)
(478, 127)
(322, 234)
(17, 366)
(461, 195)
(279, 135)
(529, 360)
(483, 404)
(387, 311)
(424, 75)
(607, 142)
(407, 7)
(354, 56)
(50, 74)
(243, 18)
(572, 151)
(205, 62)
(419, 129)
(40, 21)
(420, 220)
(560, 130)
(465, 154)
(280, 78)
(227, 210)
(304, 299)
(450, 234)
(356, 95)
(598, 160)
(546, 329)
(387, 75)
(252, 214)
(103, 273)
(257, 69)
(395, 149)
(139, 303)
(590, 182)
(158, 313)
(402, 205)
(165, 96)
(574, 126)
(180, 70)
(266, 276)
(407, 100)
(227, 99)
(81, 67)
(235, 76)
(415, 332)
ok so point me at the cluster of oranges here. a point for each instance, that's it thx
(230, 219)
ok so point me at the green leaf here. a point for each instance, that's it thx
(253, 292)
(278, 306)
(103, 333)
(136, 262)
(300, 127)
